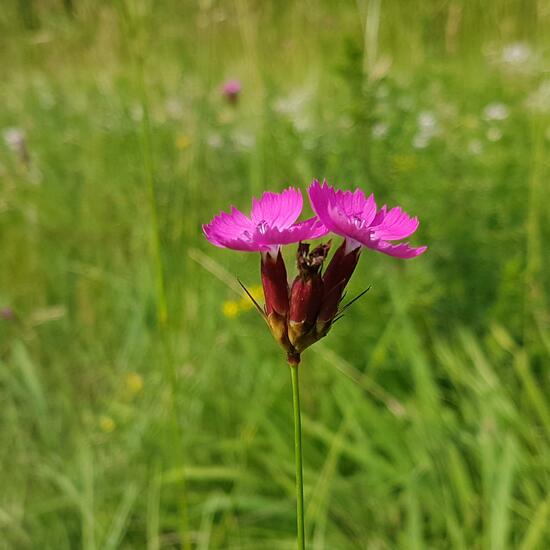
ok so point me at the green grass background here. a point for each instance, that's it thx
(134, 413)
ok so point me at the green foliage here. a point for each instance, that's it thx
(425, 411)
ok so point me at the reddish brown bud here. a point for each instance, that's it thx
(306, 294)
(335, 279)
(305, 299)
(307, 288)
(275, 283)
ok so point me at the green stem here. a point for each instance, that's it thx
(298, 456)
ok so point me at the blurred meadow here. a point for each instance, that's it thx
(144, 404)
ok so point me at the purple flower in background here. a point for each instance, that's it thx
(356, 217)
(271, 223)
(7, 313)
(231, 90)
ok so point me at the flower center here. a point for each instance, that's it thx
(358, 221)
(262, 227)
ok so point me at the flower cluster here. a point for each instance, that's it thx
(301, 313)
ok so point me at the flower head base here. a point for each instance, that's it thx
(314, 299)
(271, 223)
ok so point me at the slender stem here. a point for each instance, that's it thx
(298, 456)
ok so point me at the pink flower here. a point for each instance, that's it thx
(355, 217)
(271, 223)
(301, 314)
(231, 90)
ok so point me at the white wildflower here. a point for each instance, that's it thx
(427, 122)
(475, 147)
(420, 141)
(244, 140)
(214, 140)
(494, 134)
(174, 108)
(380, 130)
(14, 138)
(516, 54)
(496, 111)
(538, 100)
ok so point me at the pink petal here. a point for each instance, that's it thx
(345, 213)
(395, 225)
(319, 198)
(354, 216)
(380, 215)
(303, 231)
(401, 250)
(355, 204)
(243, 245)
(228, 230)
(278, 210)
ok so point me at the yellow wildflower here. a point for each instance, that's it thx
(230, 309)
(256, 292)
(134, 383)
(182, 142)
(107, 424)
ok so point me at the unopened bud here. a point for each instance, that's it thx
(275, 284)
(305, 299)
(306, 295)
(335, 279)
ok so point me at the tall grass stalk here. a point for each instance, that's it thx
(135, 29)
(148, 169)
(535, 300)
